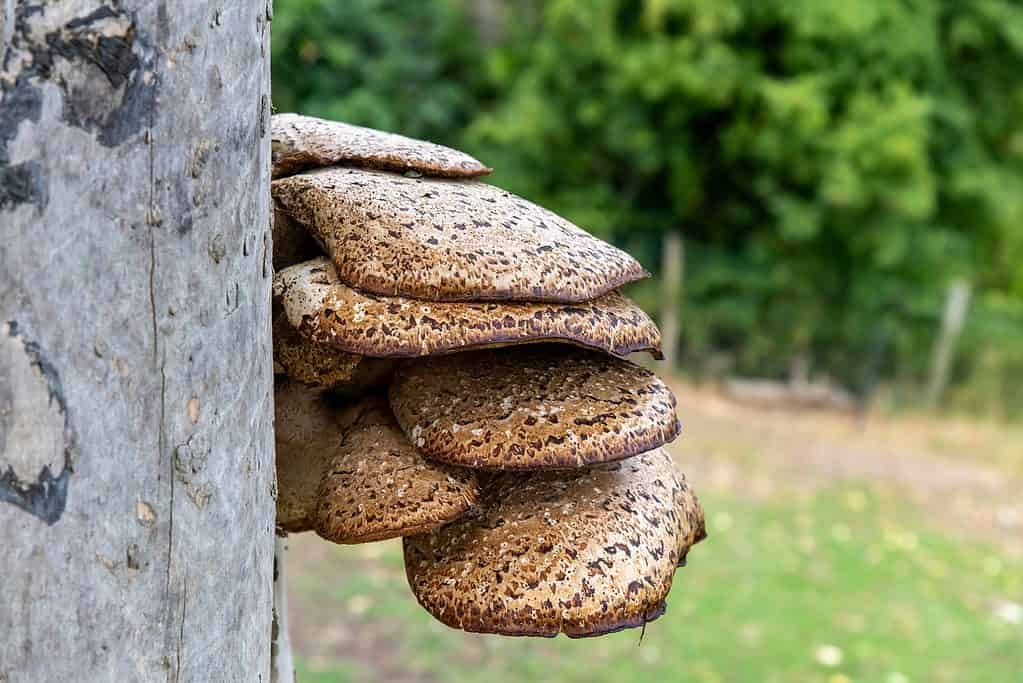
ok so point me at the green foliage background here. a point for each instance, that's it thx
(832, 166)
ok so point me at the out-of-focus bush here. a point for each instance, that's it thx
(408, 67)
(832, 165)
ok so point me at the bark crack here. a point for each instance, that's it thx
(181, 631)
(162, 445)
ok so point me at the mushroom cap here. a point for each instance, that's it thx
(581, 552)
(323, 365)
(327, 311)
(291, 241)
(315, 365)
(542, 407)
(307, 433)
(378, 486)
(445, 240)
(300, 142)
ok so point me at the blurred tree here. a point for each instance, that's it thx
(833, 166)
(398, 66)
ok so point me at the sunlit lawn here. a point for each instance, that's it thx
(847, 584)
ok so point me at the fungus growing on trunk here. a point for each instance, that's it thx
(324, 366)
(449, 240)
(542, 407)
(378, 486)
(581, 552)
(583, 529)
(307, 432)
(301, 142)
(326, 311)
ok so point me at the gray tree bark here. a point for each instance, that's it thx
(136, 446)
(282, 665)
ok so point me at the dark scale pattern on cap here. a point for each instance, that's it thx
(581, 552)
(379, 487)
(317, 365)
(329, 312)
(323, 365)
(301, 142)
(307, 433)
(547, 406)
(445, 240)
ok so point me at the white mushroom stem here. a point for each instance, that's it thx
(282, 668)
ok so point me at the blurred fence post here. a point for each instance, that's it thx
(952, 321)
(489, 18)
(672, 266)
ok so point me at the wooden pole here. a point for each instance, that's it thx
(953, 318)
(672, 267)
(136, 405)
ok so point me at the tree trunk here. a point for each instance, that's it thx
(136, 447)
(282, 664)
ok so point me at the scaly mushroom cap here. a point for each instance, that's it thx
(541, 407)
(445, 240)
(316, 365)
(327, 311)
(582, 552)
(378, 486)
(307, 433)
(323, 365)
(301, 142)
(292, 242)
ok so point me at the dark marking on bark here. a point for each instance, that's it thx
(46, 497)
(22, 183)
(102, 66)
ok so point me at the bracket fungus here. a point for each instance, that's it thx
(306, 433)
(378, 486)
(327, 311)
(542, 407)
(584, 552)
(324, 366)
(452, 372)
(449, 240)
(302, 142)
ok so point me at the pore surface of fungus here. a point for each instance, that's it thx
(327, 311)
(307, 433)
(446, 240)
(581, 552)
(300, 142)
(542, 406)
(378, 486)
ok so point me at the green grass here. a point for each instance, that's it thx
(774, 589)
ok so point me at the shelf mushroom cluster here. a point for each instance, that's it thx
(450, 369)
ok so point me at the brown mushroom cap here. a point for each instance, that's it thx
(329, 312)
(323, 365)
(540, 407)
(582, 552)
(378, 486)
(307, 433)
(292, 242)
(445, 240)
(316, 365)
(301, 142)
